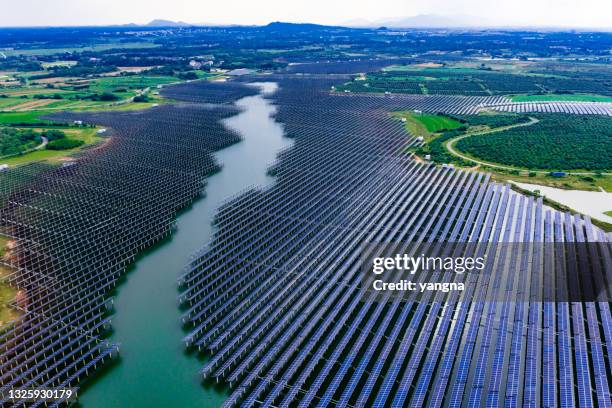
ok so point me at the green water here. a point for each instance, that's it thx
(154, 370)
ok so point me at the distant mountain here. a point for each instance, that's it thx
(425, 21)
(282, 26)
(167, 23)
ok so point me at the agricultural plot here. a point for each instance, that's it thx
(342, 67)
(469, 81)
(124, 84)
(584, 143)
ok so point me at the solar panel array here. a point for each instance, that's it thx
(76, 227)
(275, 300)
(578, 108)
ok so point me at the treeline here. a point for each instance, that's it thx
(57, 140)
(557, 142)
(493, 121)
(75, 71)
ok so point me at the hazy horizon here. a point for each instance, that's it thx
(477, 13)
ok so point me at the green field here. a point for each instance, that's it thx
(11, 118)
(424, 124)
(94, 47)
(561, 98)
(8, 102)
(131, 82)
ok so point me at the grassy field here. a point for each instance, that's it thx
(561, 98)
(110, 84)
(95, 47)
(423, 124)
(11, 118)
(9, 102)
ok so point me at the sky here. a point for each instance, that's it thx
(541, 13)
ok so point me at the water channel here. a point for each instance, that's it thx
(154, 370)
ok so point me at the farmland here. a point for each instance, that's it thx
(484, 80)
(23, 106)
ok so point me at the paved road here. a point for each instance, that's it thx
(43, 144)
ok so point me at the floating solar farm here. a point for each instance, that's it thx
(274, 299)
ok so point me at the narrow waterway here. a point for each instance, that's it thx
(154, 370)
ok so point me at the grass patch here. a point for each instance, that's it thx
(17, 118)
(424, 124)
(561, 98)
